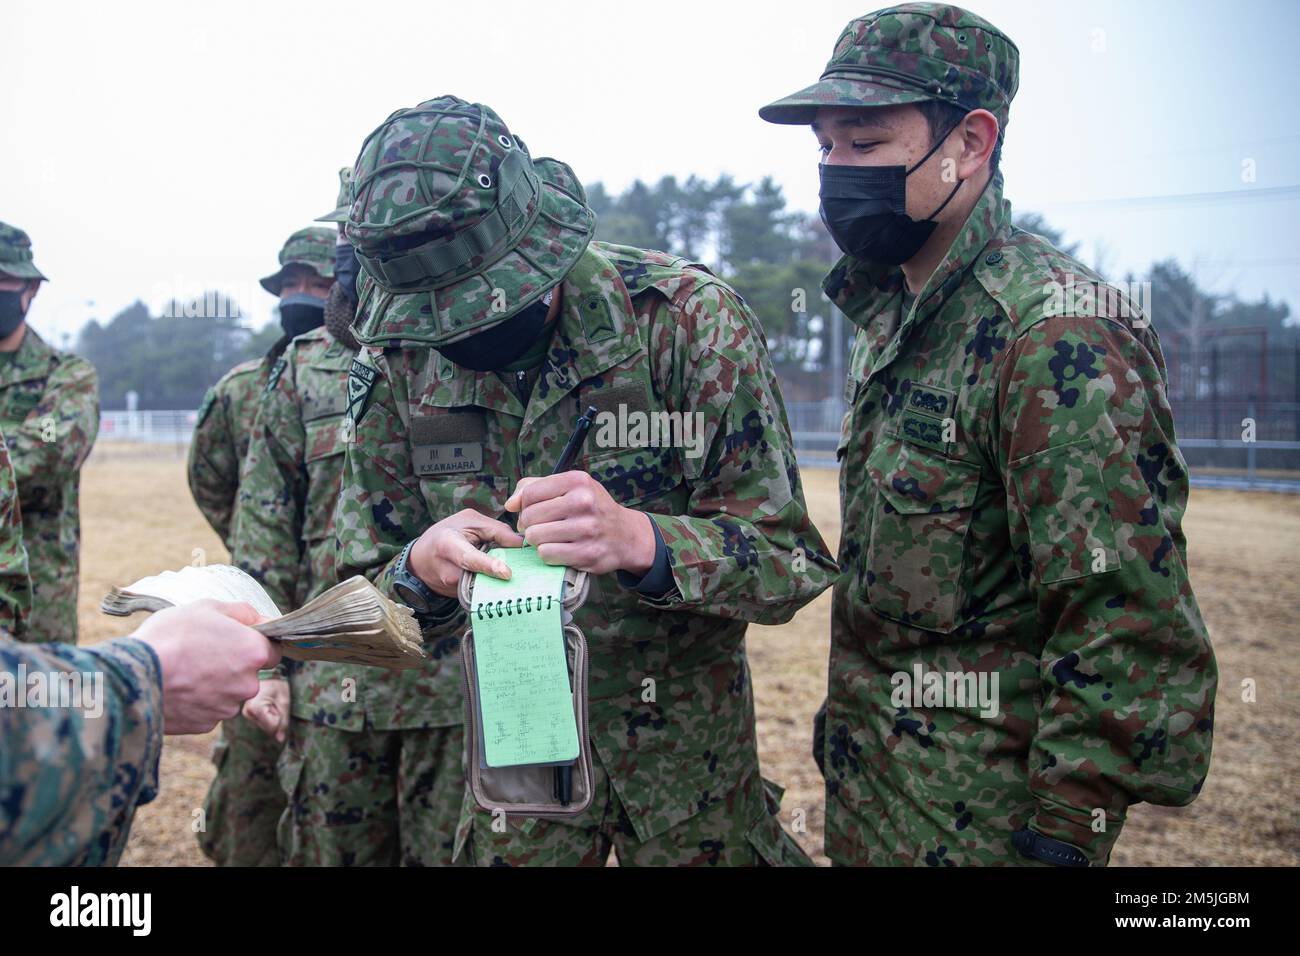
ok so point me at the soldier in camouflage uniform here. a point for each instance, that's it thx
(225, 419)
(492, 321)
(49, 410)
(245, 801)
(1012, 490)
(285, 539)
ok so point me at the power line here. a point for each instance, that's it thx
(1263, 194)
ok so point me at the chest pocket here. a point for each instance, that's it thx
(325, 446)
(917, 563)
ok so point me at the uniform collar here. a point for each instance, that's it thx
(31, 358)
(596, 330)
(863, 290)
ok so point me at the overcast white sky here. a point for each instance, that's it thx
(154, 149)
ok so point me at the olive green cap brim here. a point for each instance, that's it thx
(22, 270)
(548, 249)
(273, 283)
(800, 109)
(336, 215)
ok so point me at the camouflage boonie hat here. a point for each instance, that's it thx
(909, 53)
(312, 247)
(340, 211)
(16, 254)
(456, 227)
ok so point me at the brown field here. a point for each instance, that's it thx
(138, 518)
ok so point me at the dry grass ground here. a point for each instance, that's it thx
(138, 518)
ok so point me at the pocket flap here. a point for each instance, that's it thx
(915, 480)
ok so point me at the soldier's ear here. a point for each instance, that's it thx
(979, 134)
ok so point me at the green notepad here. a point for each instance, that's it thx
(523, 674)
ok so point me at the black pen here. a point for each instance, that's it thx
(564, 775)
(572, 449)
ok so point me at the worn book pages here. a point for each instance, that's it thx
(351, 623)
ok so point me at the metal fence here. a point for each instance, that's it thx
(1236, 403)
(1236, 411)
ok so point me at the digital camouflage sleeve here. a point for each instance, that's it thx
(71, 778)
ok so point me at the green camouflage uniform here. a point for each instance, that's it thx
(220, 441)
(245, 801)
(1012, 497)
(15, 582)
(677, 777)
(49, 411)
(285, 539)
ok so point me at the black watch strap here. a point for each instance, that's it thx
(1047, 849)
(436, 609)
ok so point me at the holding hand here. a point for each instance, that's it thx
(270, 708)
(452, 546)
(209, 655)
(572, 520)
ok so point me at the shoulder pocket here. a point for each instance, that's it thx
(1061, 497)
(917, 560)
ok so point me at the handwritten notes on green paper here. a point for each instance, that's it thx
(519, 653)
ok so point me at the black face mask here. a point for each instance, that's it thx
(11, 311)
(502, 344)
(865, 210)
(301, 313)
(346, 268)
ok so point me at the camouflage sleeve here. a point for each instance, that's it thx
(383, 508)
(213, 467)
(267, 538)
(15, 582)
(745, 547)
(58, 433)
(1096, 489)
(71, 777)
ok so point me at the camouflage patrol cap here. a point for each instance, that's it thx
(312, 247)
(456, 224)
(909, 53)
(340, 211)
(16, 254)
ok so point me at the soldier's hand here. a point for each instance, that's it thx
(210, 656)
(572, 520)
(452, 546)
(269, 710)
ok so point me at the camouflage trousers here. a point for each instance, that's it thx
(370, 797)
(244, 803)
(741, 830)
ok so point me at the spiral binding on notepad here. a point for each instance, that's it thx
(509, 608)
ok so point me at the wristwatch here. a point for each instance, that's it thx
(1038, 847)
(429, 606)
